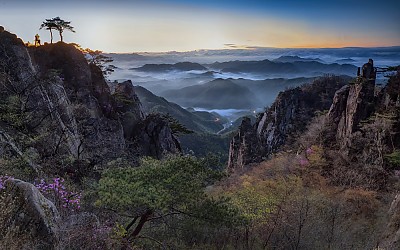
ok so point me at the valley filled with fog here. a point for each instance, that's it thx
(234, 83)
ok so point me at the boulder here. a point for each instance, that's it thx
(27, 219)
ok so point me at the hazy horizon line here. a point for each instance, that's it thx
(253, 48)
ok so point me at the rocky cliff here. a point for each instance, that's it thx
(362, 129)
(59, 113)
(360, 108)
(282, 122)
(244, 146)
(352, 104)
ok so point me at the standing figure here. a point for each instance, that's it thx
(37, 40)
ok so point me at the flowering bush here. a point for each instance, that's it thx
(3, 179)
(309, 151)
(59, 194)
(303, 161)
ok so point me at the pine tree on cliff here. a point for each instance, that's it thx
(50, 25)
(57, 24)
(63, 25)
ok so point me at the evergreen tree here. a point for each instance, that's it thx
(58, 24)
(49, 25)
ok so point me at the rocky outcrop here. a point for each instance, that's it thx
(79, 101)
(282, 122)
(66, 104)
(244, 146)
(125, 100)
(351, 105)
(361, 131)
(15, 60)
(27, 219)
(156, 138)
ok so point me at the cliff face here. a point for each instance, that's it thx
(244, 146)
(352, 104)
(67, 105)
(359, 111)
(282, 122)
(361, 131)
(78, 102)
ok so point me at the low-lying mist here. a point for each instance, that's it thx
(237, 82)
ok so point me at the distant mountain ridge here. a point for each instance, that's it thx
(281, 65)
(196, 121)
(219, 93)
(271, 67)
(295, 59)
(346, 60)
(232, 93)
(181, 66)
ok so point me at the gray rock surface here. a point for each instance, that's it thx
(244, 146)
(27, 219)
(352, 104)
(156, 138)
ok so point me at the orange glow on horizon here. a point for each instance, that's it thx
(167, 28)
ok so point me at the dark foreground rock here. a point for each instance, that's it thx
(53, 94)
(27, 219)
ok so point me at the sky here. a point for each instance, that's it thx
(185, 25)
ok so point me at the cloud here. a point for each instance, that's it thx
(230, 45)
(237, 46)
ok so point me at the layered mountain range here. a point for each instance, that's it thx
(232, 84)
(281, 65)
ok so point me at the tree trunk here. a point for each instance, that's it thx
(61, 36)
(51, 36)
(247, 241)
(131, 223)
(142, 221)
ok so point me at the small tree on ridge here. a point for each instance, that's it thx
(50, 25)
(58, 24)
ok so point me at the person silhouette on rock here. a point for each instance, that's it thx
(37, 40)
